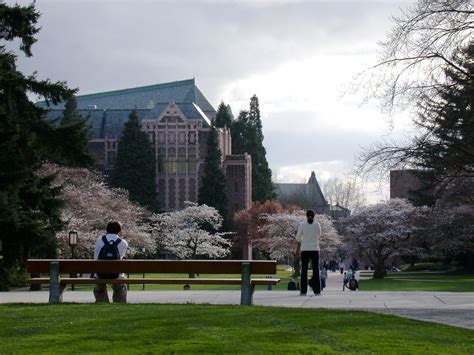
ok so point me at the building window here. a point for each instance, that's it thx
(192, 138)
(161, 164)
(236, 187)
(192, 164)
(181, 138)
(171, 165)
(171, 137)
(182, 161)
(111, 156)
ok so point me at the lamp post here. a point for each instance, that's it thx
(143, 251)
(72, 244)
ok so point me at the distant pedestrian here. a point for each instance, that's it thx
(308, 235)
(341, 267)
(324, 278)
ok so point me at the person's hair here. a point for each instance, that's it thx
(309, 213)
(114, 227)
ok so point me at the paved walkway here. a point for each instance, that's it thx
(453, 308)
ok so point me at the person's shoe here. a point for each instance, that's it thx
(302, 294)
(317, 293)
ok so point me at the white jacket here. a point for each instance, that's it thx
(122, 247)
(308, 235)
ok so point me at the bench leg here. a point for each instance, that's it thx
(247, 289)
(55, 287)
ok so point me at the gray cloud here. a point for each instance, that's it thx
(107, 45)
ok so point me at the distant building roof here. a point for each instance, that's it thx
(107, 112)
(144, 97)
(311, 191)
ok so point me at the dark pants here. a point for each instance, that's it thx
(306, 256)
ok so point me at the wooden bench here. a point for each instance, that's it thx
(57, 283)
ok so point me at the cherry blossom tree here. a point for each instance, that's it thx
(381, 231)
(89, 205)
(247, 224)
(191, 232)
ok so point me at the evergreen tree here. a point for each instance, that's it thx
(135, 164)
(247, 137)
(223, 116)
(29, 205)
(77, 130)
(213, 190)
(447, 119)
(240, 133)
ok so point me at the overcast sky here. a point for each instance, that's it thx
(296, 56)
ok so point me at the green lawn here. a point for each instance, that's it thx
(420, 281)
(152, 328)
(282, 286)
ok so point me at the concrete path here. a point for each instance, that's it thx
(453, 308)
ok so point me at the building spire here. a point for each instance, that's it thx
(312, 179)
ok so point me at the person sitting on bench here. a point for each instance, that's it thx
(110, 247)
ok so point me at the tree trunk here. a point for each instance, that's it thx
(380, 271)
(297, 266)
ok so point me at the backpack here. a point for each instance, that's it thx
(353, 284)
(109, 252)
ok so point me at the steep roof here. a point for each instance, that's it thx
(109, 123)
(144, 97)
(107, 112)
(311, 190)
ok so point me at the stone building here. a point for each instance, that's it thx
(177, 118)
(309, 196)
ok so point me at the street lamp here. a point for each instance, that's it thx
(72, 244)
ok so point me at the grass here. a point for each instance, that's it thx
(151, 328)
(420, 281)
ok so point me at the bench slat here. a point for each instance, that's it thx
(265, 267)
(164, 281)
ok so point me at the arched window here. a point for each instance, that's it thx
(192, 161)
(161, 160)
(182, 161)
(172, 161)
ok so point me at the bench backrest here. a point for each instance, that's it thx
(152, 266)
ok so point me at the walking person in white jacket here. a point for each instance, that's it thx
(308, 235)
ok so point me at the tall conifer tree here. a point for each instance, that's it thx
(29, 205)
(135, 164)
(213, 190)
(223, 116)
(78, 131)
(247, 137)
